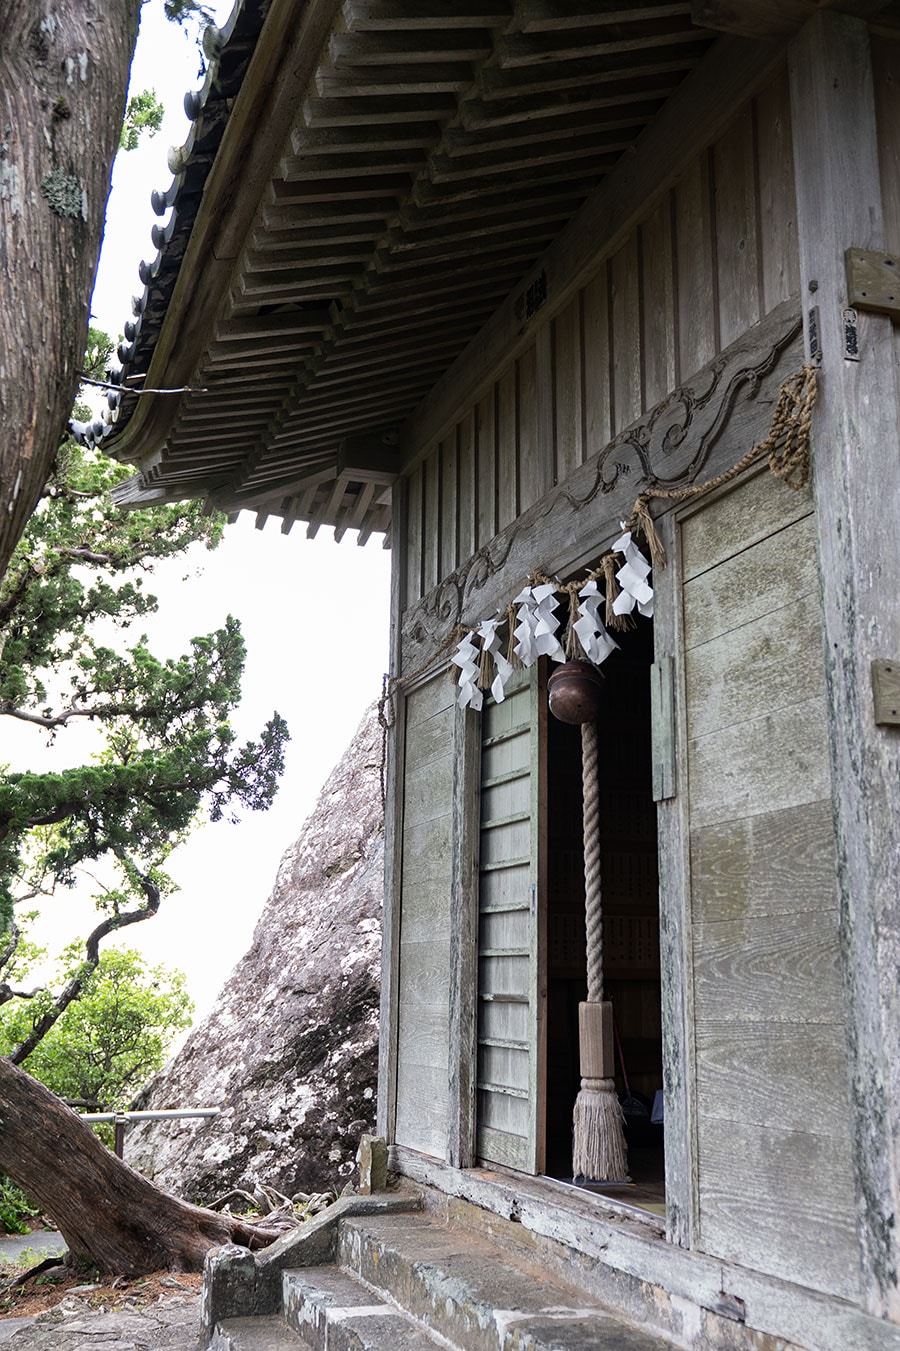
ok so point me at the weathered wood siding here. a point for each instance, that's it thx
(886, 72)
(714, 257)
(424, 959)
(510, 999)
(772, 1104)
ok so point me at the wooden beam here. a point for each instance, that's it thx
(773, 18)
(855, 479)
(729, 75)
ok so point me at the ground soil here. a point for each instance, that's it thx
(109, 1294)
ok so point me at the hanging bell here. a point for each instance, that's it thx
(574, 692)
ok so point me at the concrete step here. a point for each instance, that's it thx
(255, 1334)
(333, 1311)
(470, 1292)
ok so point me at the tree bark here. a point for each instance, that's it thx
(63, 79)
(108, 1214)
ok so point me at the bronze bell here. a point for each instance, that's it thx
(574, 692)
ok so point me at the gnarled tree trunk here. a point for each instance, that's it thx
(107, 1213)
(63, 78)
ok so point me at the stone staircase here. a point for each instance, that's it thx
(411, 1282)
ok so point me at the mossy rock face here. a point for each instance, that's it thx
(290, 1052)
(64, 193)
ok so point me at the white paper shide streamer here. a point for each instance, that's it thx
(592, 633)
(536, 631)
(537, 625)
(490, 642)
(632, 578)
(466, 657)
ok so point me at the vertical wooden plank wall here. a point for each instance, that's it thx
(716, 255)
(886, 70)
(776, 1189)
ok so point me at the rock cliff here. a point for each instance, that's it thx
(290, 1051)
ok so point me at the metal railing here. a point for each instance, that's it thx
(122, 1119)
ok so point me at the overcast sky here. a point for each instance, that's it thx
(314, 613)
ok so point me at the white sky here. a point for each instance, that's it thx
(314, 615)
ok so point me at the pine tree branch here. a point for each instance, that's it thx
(9, 710)
(76, 984)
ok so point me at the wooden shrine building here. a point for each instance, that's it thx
(472, 275)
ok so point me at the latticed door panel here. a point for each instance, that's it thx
(509, 1114)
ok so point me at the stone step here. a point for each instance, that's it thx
(332, 1311)
(473, 1293)
(255, 1334)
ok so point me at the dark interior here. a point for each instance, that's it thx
(629, 868)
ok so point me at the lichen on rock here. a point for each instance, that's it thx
(290, 1051)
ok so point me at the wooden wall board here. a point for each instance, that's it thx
(779, 1201)
(425, 1043)
(740, 1063)
(426, 788)
(507, 444)
(485, 423)
(768, 1003)
(450, 504)
(778, 758)
(724, 598)
(422, 1109)
(695, 263)
(769, 969)
(568, 384)
(431, 520)
(774, 661)
(732, 523)
(415, 533)
(596, 361)
(777, 202)
(770, 864)
(737, 234)
(428, 705)
(468, 506)
(534, 459)
(625, 317)
(658, 304)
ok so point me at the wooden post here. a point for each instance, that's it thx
(121, 1123)
(856, 466)
(393, 830)
(466, 822)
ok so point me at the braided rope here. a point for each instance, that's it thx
(592, 890)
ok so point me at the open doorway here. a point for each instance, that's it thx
(630, 880)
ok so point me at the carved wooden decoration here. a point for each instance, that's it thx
(679, 442)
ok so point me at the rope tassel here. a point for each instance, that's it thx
(598, 1140)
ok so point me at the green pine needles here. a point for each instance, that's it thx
(166, 750)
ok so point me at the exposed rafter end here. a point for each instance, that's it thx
(370, 459)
